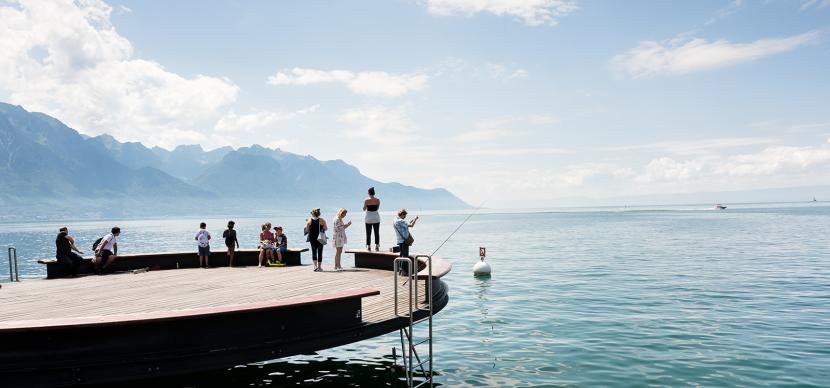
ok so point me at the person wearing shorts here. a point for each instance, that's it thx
(107, 250)
(230, 241)
(203, 238)
(280, 243)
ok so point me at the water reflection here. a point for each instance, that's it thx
(304, 370)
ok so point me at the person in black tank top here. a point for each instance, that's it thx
(371, 206)
(64, 245)
(313, 226)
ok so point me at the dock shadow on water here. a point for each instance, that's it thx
(305, 370)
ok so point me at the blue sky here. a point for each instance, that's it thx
(524, 101)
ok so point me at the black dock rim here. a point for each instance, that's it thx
(103, 367)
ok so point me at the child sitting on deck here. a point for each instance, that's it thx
(280, 243)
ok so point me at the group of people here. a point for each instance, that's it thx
(316, 226)
(272, 245)
(69, 256)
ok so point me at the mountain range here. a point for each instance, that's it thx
(43, 161)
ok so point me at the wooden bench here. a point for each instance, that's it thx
(174, 260)
(386, 261)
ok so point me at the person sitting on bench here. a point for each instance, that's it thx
(65, 244)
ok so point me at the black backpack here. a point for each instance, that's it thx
(95, 244)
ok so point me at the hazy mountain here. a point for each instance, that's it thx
(43, 158)
(184, 162)
(42, 161)
(130, 154)
(189, 161)
(258, 172)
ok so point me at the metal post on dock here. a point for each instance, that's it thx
(14, 275)
(409, 352)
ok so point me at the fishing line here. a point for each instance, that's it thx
(459, 227)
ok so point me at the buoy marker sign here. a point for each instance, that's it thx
(481, 268)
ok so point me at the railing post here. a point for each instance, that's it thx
(14, 274)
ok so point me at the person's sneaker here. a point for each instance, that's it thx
(377, 248)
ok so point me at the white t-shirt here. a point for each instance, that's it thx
(108, 243)
(204, 238)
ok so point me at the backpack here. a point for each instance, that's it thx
(95, 244)
(204, 238)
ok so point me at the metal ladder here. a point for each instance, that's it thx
(412, 361)
(14, 276)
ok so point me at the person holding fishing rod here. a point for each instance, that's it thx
(405, 238)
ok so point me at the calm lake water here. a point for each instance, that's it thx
(667, 296)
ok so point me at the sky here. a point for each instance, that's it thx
(508, 102)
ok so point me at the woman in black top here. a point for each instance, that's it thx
(371, 205)
(313, 226)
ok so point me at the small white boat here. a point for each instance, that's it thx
(720, 207)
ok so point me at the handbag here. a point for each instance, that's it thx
(409, 240)
(321, 238)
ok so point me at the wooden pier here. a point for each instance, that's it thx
(140, 324)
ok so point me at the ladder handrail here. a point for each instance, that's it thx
(14, 275)
(413, 283)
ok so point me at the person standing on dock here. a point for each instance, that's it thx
(340, 237)
(230, 241)
(402, 231)
(107, 250)
(65, 244)
(371, 205)
(203, 238)
(313, 228)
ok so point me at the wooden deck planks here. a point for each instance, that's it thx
(172, 290)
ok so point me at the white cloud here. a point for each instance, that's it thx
(370, 83)
(65, 58)
(531, 12)
(517, 151)
(232, 122)
(729, 9)
(380, 125)
(542, 119)
(676, 57)
(775, 162)
(480, 135)
(499, 127)
(665, 168)
(501, 72)
(691, 147)
(817, 3)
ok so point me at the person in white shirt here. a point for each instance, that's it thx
(107, 250)
(203, 238)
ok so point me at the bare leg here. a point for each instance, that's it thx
(261, 256)
(230, 257)
(109, 261)
(279, 255)
(337, 258)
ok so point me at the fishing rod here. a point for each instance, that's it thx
(459, 227)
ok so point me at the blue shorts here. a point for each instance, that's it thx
(204, 251)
